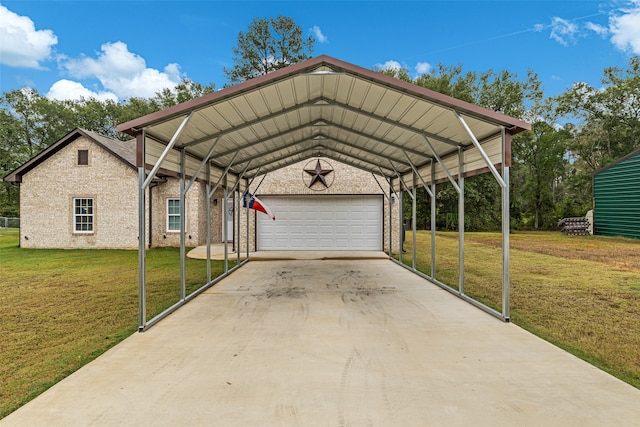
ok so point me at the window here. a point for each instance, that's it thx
(83, 215)
(83, 157)
(173, 214)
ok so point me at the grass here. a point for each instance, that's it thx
(581, 293)
(63, 308)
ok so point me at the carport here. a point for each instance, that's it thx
(405, 135)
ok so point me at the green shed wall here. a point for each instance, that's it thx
(616, 191)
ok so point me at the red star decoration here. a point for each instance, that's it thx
(318, 174)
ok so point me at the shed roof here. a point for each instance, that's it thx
(325, 107)
(617, 161)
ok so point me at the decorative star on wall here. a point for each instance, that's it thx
(318, 175)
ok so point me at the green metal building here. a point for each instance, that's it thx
(616, 190)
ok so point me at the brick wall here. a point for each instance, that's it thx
(46, 200)
(47, 193)
(196, 219)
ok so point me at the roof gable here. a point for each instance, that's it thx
(324, 107)
(125, 151)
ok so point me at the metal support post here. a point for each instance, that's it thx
(237, 242)
(506, 230)
(142, 237)
(208, 201)
(225, 230)
(433, 220)
(400, 218)
(414, 217)
(183, 226)
(461, 220)
(506, 291)
(390, 219)
(247, 212)
(388, 198)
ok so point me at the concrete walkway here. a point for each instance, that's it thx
(333, 343)
(217, 253)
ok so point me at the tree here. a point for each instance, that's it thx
(449, 80)
(608, 117)
(184, 91)
(499, 91)
(29, 123)
(542, 154)
(268, 45)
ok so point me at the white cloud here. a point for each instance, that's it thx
(70, 90)
(22, 45)
(563, 31)
(422, 68)
(625, 29)
(123, 72)
(318, 33)
(390, 65)
(597, 28)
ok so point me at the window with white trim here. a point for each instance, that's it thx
(83, 215)
(173, 215)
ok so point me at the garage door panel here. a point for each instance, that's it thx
(321, 223)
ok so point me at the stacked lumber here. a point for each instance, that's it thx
(576, 226)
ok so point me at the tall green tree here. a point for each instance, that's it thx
(541, 153)
(607, 118)
(450, 81)
(605, 124)
(28, 124)
(39, 121)
(269, 44)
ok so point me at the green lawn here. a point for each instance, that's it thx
(63, 308)
(582, 293)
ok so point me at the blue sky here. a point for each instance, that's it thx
(120, 49)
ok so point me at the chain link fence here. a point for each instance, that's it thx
(9, 222)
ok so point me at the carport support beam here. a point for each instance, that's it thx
(142, 250)
(414, 216)
(183, 225)
(402, 231)
(391, 218)
(506, 230)
(503, 181)
(225, 230)
(248, 185)
(391, 190)
(208, 200)
(433, 220)
(461, 220)
(165, 153)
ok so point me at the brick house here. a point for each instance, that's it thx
(82, 192)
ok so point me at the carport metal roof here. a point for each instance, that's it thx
(325, 107)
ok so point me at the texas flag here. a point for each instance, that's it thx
(252, 202)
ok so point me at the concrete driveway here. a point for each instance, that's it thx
(333, 343)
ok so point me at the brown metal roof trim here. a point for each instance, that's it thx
(514, 125)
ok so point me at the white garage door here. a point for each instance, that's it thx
(321, 223)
